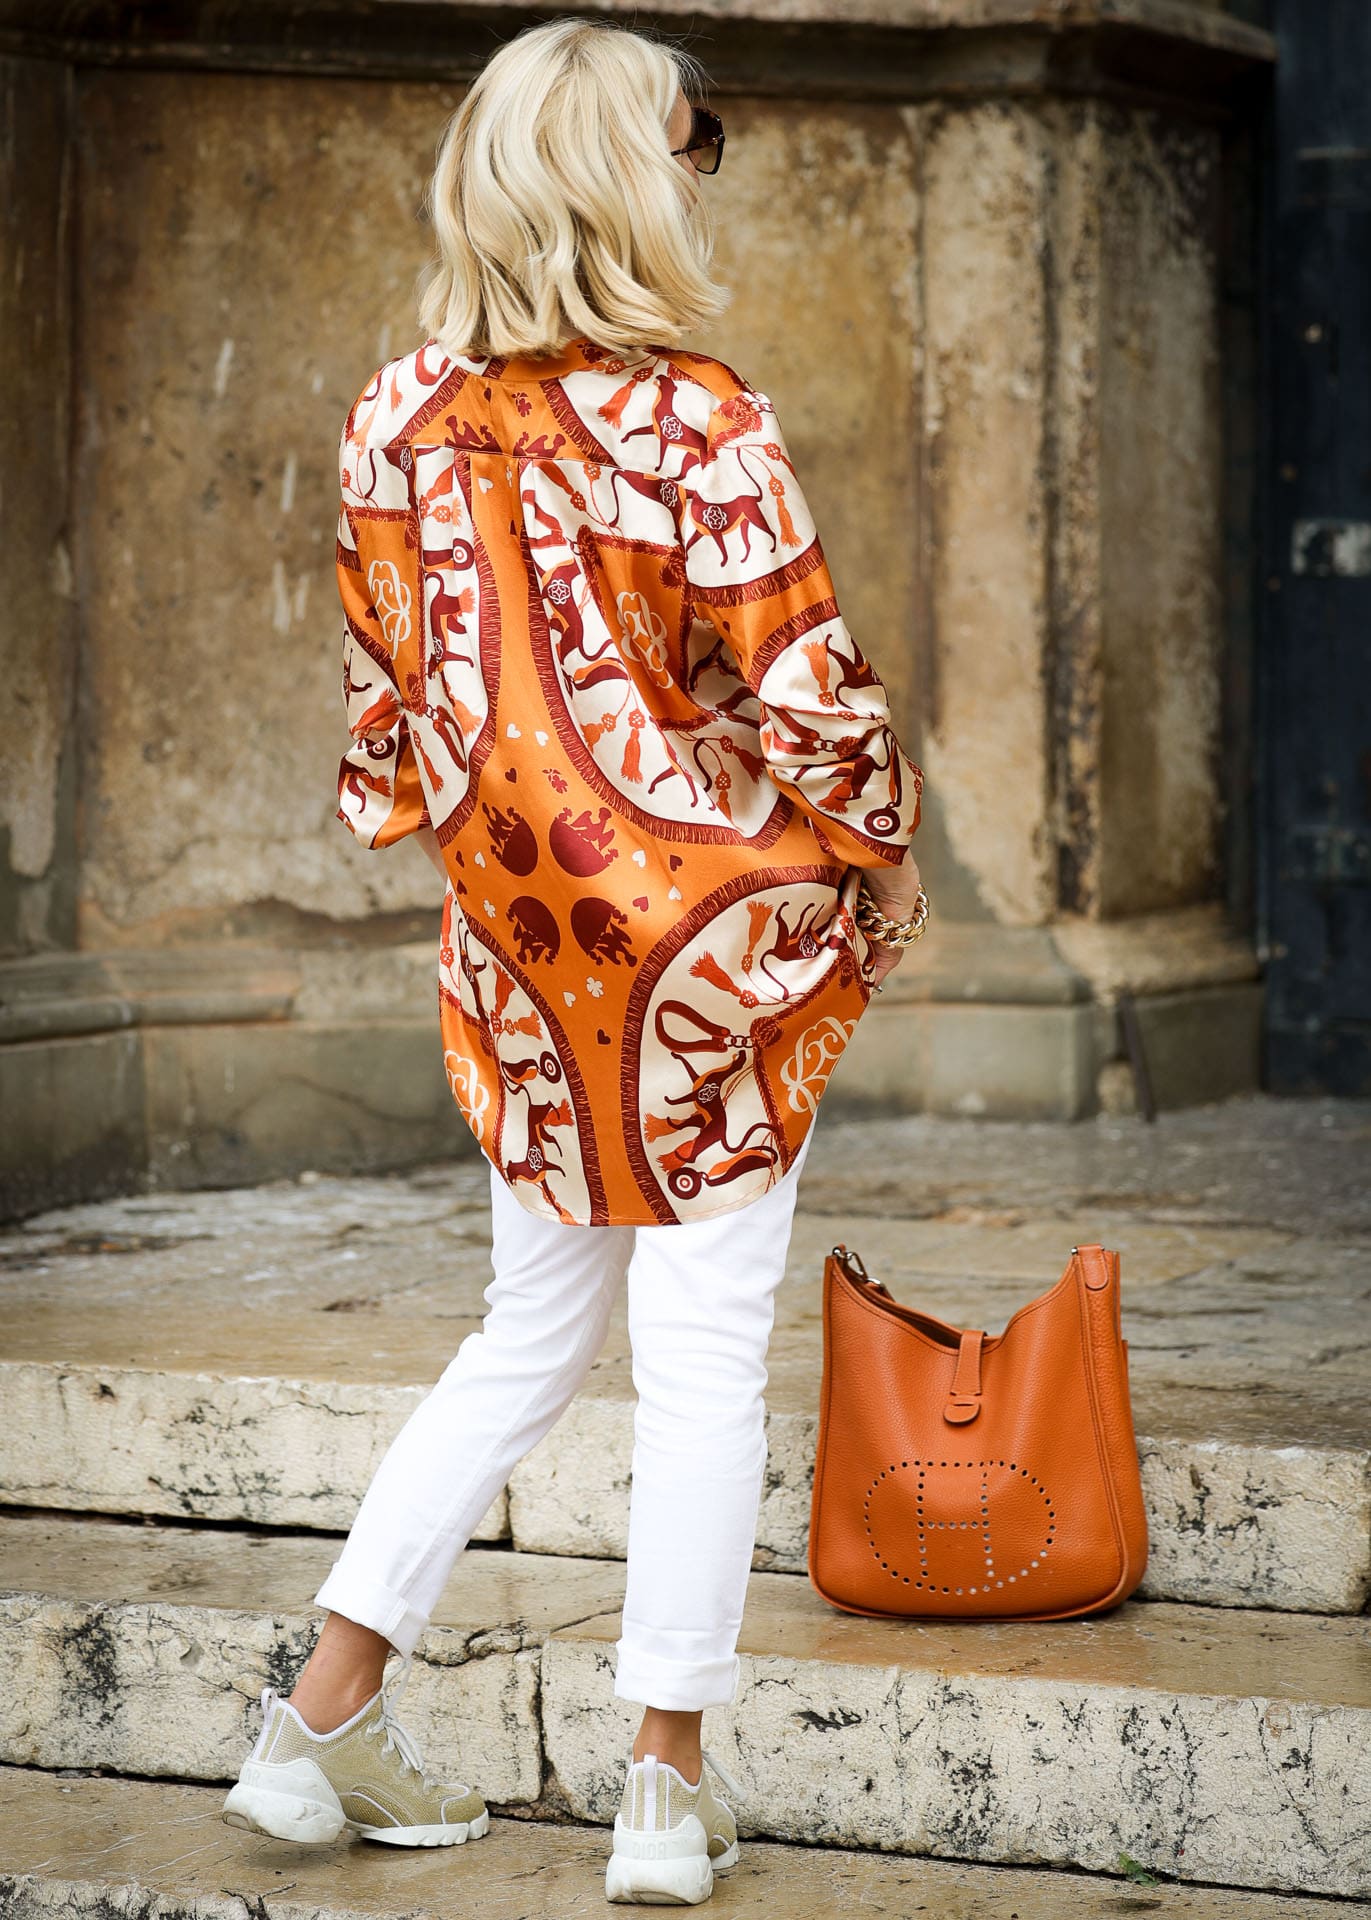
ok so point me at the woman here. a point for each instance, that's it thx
(593, 664)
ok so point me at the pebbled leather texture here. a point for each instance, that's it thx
(960, 1475)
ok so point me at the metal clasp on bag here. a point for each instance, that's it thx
(853, 1263)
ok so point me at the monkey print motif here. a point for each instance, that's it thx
(590, 641)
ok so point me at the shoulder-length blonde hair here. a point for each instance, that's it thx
(557, 209)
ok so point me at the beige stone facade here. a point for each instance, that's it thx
(1016, 256)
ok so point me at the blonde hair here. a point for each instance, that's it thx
(558, 211)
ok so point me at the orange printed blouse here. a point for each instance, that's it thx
(590, 638)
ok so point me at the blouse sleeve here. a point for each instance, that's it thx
(756, 571)
(380, 795)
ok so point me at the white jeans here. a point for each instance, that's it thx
(701, 1302)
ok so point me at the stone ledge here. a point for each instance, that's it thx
(1217, 1746)
(195, 1105)
(1231, 1523)
(271, 1452)
(1038, 1061)
(136, 1385)
(1168, 53)
(1181, 950)
(86, 1848)
(1070, 962)
(51, 996)
(236, 1099)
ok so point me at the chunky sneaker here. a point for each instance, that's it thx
(367, 1775)
(670, 1838)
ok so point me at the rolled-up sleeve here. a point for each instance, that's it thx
(380, 793)
(756, 571)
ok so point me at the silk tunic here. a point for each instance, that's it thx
(590, 638)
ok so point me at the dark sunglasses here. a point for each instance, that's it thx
(706, 143)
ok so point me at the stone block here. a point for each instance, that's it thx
(1204, 1044)
(1228, 1747)
(1270, 1526)
(220, 1103)
(165, 1679)
(84, 1132)
(1029, 1062)
(270, 1451)
(172, 1689)
(228, 1105)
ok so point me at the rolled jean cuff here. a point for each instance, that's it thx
(678, 1686)
(370, 1604)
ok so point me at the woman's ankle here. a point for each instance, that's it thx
(674, 1738)
(325, 1709)
(342, 1673)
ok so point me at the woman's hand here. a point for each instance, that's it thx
(896, 892)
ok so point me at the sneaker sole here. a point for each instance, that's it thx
(664, 1870)
(455, 1833)
(283, 1816)
(659, 1883)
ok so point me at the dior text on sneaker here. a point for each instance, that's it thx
(670, 1838)
(365, 1775)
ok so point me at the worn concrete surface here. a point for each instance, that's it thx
(246, 1355)
(77, 1846)
(1216, 1744)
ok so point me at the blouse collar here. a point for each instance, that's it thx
(574, 356)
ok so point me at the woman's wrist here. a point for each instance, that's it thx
(895, 924)
(895, 889)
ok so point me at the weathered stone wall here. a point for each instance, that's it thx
(1154, 186)
(37, 638)
(980, 274)
(247, 247)
(1070, 638)
(990, 333)
(236, 295)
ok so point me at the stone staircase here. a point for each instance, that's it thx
(198, 1385)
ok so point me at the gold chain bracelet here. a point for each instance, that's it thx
(891, 933)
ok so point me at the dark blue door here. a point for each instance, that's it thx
(1314, 673)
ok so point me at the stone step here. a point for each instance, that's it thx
(245, 1356)
(87, 1848)
(1213, 1745)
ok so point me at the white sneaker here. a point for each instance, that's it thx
(670, 1838)
(365, 1776)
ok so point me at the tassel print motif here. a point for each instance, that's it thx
(591, 643)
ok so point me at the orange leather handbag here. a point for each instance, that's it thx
(969, 1477)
